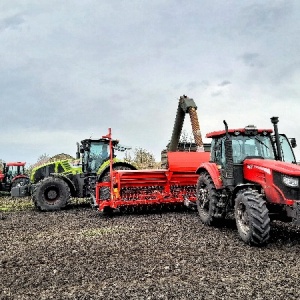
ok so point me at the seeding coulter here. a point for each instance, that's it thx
(137, 188)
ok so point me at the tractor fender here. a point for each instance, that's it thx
(67, 180)
(244, 186)
(116, 163)
(214, 172)
(21, 177)
(105, 165)
(240, 187)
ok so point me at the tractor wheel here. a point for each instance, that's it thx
(20, 182)
(252, 217)
(105, 191)
(51, 194)
(207, 199)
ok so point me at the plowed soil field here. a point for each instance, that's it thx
(79, 254)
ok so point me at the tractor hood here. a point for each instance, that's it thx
(268, 165)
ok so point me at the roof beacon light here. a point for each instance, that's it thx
(251, 130)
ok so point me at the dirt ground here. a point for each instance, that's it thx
(78, 254)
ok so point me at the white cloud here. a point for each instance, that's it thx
(71, 68)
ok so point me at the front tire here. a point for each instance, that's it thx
(252, 218)
(207, 199)
(51, 194)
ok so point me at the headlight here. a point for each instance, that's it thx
(290, 181)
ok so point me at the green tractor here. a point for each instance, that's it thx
(54, 183)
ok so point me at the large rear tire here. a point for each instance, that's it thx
(51, 194)
(252, 218)
(207, 199)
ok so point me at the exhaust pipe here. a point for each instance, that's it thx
(275, 121)
(78, 151)
(228, 174)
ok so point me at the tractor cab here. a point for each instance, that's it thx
(250, 142)
(246, 143)
(94, 153)
(14, 169)
(231, 147)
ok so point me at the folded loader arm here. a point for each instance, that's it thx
(185, 106)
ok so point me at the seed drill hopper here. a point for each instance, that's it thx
(138, 188)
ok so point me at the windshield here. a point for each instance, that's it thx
(258, 145)
(98, 153)
(286, 150)
(15, 170)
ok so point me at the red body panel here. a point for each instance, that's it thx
(16, 163)
(214, 172)
(268, 164)
(261, 171)
(186, 161)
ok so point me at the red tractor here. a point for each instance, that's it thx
(13, 175)
(253, 174)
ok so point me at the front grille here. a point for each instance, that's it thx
(289, 193)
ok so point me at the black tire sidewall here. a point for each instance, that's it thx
(258, 218)
(63, 194)
(205, 216)
(246, 237)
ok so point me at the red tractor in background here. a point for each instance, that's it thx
(12, 175)
(253, 174)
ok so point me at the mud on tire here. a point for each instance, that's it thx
(207, 199)
(51, 194)
(252, 217)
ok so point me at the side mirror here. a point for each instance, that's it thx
(293, 142)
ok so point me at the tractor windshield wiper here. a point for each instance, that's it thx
(261, 142)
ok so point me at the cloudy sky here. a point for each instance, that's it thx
(69, 69)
